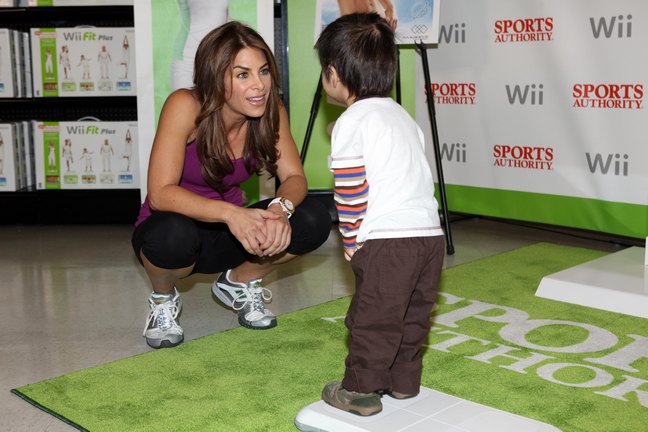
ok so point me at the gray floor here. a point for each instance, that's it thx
(74, 297)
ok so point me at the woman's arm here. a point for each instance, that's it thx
(293, 186)
(175, 128)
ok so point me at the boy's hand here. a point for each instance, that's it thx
(348, 253)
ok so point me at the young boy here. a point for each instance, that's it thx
(389, 221)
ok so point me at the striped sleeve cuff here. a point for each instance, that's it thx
(351, 194)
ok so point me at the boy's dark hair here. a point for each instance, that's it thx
(362, 49)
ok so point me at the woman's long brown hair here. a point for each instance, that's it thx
(213, 64)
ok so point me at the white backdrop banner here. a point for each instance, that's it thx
(542, 96)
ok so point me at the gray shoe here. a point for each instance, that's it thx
(162, 329)
(401, 396)
(248, 299)
(362, 404)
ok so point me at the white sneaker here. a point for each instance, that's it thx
(162, 329)
(227, 290)
(248, 299)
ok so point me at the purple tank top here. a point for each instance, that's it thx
(193, 181)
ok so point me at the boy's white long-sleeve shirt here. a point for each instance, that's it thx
(383, 182)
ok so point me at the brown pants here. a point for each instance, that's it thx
(397, 282)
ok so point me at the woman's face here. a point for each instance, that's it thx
(248, 84)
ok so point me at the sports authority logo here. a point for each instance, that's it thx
(524, 157)
(524, 30)
(454, 93)
(608, 96)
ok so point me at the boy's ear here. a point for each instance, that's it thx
(334, 76)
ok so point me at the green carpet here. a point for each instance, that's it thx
(495, 343)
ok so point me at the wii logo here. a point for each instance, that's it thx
(454, 33)
(615, 164)
(454, 152)
(616, 26)
(530, 93)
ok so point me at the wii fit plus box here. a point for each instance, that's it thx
(83, 61)
(11, 178)
(86, 155)
(8, 85)
(28, 152)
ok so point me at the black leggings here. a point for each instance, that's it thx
(172, 240)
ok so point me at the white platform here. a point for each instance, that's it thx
(429, 411)
(617, 282)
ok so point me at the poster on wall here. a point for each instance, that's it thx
(541, 112)
(413, 21)
(168, 34)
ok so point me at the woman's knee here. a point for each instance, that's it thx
(311, 226)
(169, 240)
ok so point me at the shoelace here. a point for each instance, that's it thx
(254, 294)
(163, 314)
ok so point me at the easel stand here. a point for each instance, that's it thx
(435, 141)
(435, 136)
(311, 120)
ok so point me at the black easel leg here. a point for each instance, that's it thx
(437, 151)
(398, 79)
(311, 120)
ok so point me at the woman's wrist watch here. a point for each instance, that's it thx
(286, 205)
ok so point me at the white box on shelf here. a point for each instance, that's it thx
(19, 156)
(9, 169)
(29, 85)
(86, 155)
(83, 61)
(29, 158)
(19, 73)
(7, 71)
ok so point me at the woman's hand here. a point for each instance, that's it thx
(278, 232)
(249, 226)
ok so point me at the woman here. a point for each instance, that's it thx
(210, 138)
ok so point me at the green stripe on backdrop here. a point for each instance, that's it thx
(304, 71)
(628, 220)
(166, 29)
